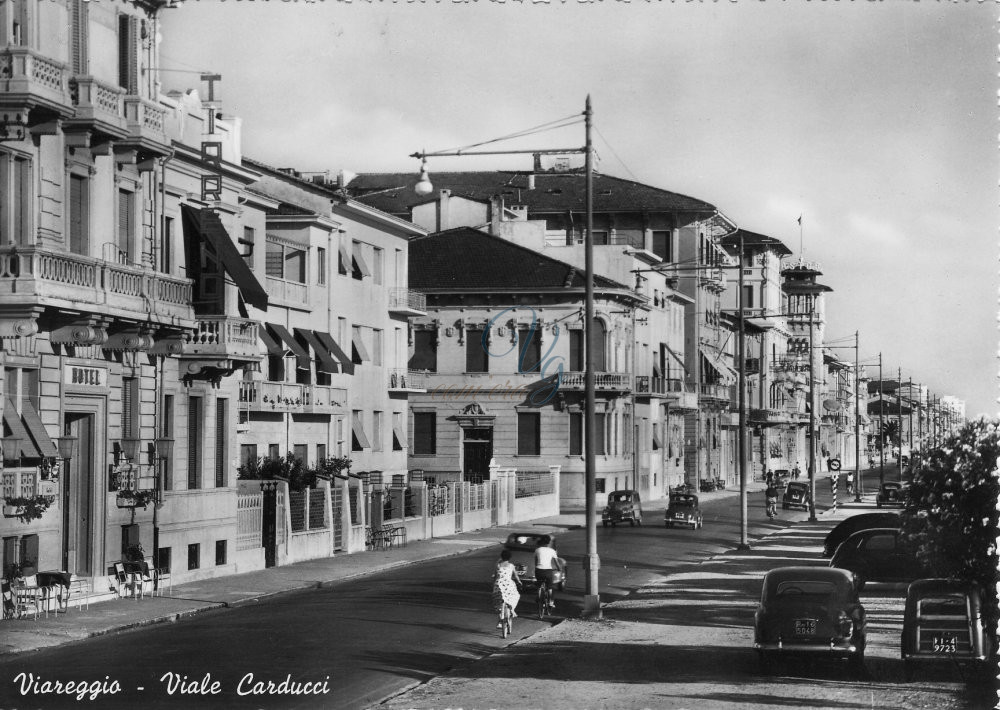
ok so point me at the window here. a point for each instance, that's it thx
(285, 262)
(599, 484)
(359, 439)
(194, 442)
(320, 266)
(424, 433)
(167, 432)
(79, 203)
(338, 435)
(167, 245)
(221, 437)
(126, 225)
(529, 348)
(600, 237)
(477, 358)
(378, 265)
(598, 336)
(359, 266)
(274, 452)
(600, 433)
(128, 53)
(320, 452)
(575, 434)
(163, 558)
(301, 453)
(529, 434)
(275, 368)
(377, 431)
(359, 352)
(274, 261)
(398, 437)
(130, 408)
(662, 245)
(15, 199)
(576, 350)
(748, 296)
(377, 346)
(220, 552)
(248, 454)
(248, 240)
(194, 555)
(424, 351)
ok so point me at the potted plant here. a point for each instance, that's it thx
(15, 570)
(128, 498)
(26, 508)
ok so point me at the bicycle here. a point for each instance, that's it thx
(506, 620)
(544, 599)
(772, 508)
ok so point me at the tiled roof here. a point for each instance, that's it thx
(553, 192)
(468, 259)
(753, 239)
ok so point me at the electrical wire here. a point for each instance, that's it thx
(541, 128)
(615, 153)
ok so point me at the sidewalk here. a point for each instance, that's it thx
(107, 617)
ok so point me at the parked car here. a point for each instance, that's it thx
(622, 507)
(522, 546)
(683, 510)
(810, 611)
(878, 555)
(890, 493)
(781, 477)
(847, 527)
(796, 494)
(943, 624)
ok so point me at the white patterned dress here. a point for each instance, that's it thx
(504, 587)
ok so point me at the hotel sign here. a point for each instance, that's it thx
(83, 376)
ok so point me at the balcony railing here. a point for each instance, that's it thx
(287, 291)
(146, 124)
(28, 78)
(98, 104)
(291, 397)
(31, 274)
(403, 300)
(401, 380)
(646, 384)
(720, 392)
(224, 336)
(608, 381)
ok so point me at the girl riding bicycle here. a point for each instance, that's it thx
(771, 496)
(506, 587)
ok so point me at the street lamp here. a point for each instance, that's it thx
(591, 599)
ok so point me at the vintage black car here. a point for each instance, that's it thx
(856, 523)
(943, 624)
(522, 546)
(796, 494)
(622, 507)
(809, 611)
(683, 510)
(878, 555)
(890, 494)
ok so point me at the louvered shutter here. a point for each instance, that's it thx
(79, 51)
(221, 407)
(194, 442)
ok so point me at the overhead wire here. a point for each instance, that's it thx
(541, 128)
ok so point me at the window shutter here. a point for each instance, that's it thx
(194, 441)
(128, 405)
(78, 36)
(124, 224)
(221, 413)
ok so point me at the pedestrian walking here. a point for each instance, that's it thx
(796, 472)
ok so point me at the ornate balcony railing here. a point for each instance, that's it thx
(613, 381)
(403, 300)
(27, 78)
(224, 336)
(98, 104)
(291, 397)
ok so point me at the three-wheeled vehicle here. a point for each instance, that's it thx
(522, 546)
(943, 624)
(622, 507)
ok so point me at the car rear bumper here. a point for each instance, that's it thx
(831, 646)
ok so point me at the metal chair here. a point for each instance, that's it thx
(124, 581)
(27, 595)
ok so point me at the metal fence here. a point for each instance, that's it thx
(534, 483)
(249, 520)
(439, 500)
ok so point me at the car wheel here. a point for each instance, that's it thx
(638, 521)
(856, 664)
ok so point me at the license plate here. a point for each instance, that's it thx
(944, 644)
(679, 515)
(805, 627)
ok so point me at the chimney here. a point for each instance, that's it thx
(538, 162)
(531, 181)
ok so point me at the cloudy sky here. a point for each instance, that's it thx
(875, 121)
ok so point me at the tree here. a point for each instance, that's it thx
(952, 518)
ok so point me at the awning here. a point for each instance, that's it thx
(207, 223)
(13, 426)
(359, 262)
(37, 430)
(326, 361)
(360, 351)
(678, 359)
(345, 257)
(359, 433)
(399, 434)
(273, 346)
(302, 358)
(346, 364)
(714, 359)
(657, 443)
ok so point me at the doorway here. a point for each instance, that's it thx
(477, 450)
(79, 493)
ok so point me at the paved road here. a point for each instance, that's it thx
(365, 638)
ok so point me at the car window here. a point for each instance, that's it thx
(882, 542)
(942, 606)
(682, 501)
(802, 588)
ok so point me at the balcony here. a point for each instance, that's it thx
(721, 393)
(100, 109)
(145, 123)
(29, 80)
(603, 381)
(36, 276)
(402, 381)
(771, 417)
(290, 293)
(292, 397)
(680, 394)
(404, 302)
(224, 337)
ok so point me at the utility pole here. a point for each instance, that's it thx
(741, 434)
(857, 423)
(909, 415)
(881, 426)
(812, 413)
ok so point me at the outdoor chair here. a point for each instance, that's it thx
(27, 596)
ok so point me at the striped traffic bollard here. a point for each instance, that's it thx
(833, 488)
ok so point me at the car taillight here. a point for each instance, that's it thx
(845, 624)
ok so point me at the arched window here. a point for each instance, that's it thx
(599, 336)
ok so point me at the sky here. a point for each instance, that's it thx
(874, 121)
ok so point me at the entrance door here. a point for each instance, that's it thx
(269, 523)
(477, 450)
(78, 497)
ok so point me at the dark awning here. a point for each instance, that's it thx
(302, 358)
(327, 363)
(397, 431)
(358, 428)
(273, 346)
(13, 426)
(211, 229)
(37, 430)
(346, 364)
